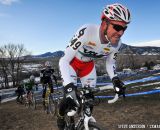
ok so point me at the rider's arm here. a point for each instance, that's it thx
(111, 69)
(75, 44)
(111, 62)
(110, 65)
(55, 79)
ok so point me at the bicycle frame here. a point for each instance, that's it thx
(86, 116)
(30, 96)
(47, 94)
(30, 100)
(47, 98)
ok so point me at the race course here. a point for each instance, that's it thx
(140, 110)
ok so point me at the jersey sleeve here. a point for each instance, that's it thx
(74, 45)
(111, 62)
(52, 70)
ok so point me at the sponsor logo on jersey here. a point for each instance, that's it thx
(87, 47)
(90, 53)
(106, 50)
(92, 43)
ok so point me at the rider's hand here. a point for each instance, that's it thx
(118, 86)
(70, 93)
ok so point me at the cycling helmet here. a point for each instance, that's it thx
(47, 64)
(116, 12)
(32, 77)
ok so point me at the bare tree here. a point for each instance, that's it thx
(13, 59)
(4, 67)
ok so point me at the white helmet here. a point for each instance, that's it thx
(116, 12)
(32, 77)
(47, 64)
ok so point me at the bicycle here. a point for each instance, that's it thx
(51, 100)
(30, 100)
(20, 100)
(86, 121)
(57, 96)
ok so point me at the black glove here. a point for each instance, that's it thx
(118, 86)
(70, 93)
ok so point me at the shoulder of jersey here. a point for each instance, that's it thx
(90, 27)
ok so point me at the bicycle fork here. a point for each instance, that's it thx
(88, 118)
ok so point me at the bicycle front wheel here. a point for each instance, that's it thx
(92, 126)
(52, 105)
(33, 103)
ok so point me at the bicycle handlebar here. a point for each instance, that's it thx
(116, 97)
(95, 90)
(102, 88)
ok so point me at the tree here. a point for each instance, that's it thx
(4, 67)
(12, 58)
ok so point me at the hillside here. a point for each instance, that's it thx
(125, 49)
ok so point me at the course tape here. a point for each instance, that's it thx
(127, 95)
(134, 94)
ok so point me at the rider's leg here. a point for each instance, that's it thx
(18, 96)
(51, 86)
(60, 116)
(43, 95)
(90, 80)
(63, 105)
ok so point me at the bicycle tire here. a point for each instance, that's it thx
(27, 103)
(69, 125)
(32, 103)
(47, 106)
(92, 126)
(52, 105)
(35, 104)
(20, 101)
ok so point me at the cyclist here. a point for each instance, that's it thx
(47, 76)
(20, 91)
(30, 85)
(90, 42)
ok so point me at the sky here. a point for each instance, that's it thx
(48, 25)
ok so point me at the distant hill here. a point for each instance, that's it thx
(146, 50)
(125, 49)
(50, 54)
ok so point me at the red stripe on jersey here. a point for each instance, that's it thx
(82, 68)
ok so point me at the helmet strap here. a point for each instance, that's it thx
(105, 31)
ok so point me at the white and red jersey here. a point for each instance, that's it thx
(86, 46)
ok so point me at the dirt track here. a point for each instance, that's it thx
(143, 110)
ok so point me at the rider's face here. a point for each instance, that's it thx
(115, 30)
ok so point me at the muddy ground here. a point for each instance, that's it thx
(139, 111)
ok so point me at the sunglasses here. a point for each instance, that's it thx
(118, 27)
